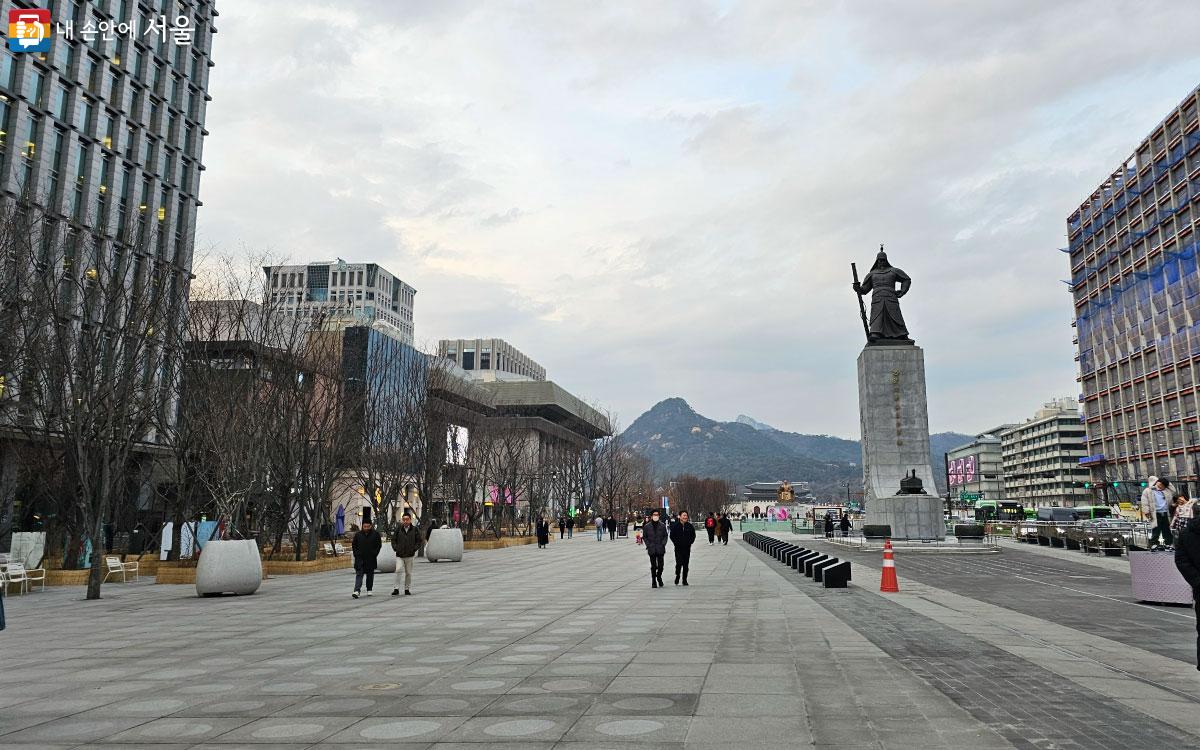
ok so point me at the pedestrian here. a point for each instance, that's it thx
(599, 521)
(570, 527)
(611, 523)
(828, 525)
(562, 527)
(654, 536)
(725, 526)
(407, 543)
(1155, 506)
(365, 546)
(710, 526)
(1182, 510)
(1187, 559)
(543, 533)
(683, 536)
(845, 524)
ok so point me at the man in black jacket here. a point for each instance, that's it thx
(654, 536)
(366, 546)
(407, 542)
(683, 536)
(1187, 559)
(725, 527)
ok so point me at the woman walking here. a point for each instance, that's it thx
(543, 532)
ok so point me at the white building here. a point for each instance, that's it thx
(490, 359)
(355, 293)
(1041, 457)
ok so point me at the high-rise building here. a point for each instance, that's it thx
(490, 359)
(103, 130)
(1041, 457)
(355, 293)
(1136, 289)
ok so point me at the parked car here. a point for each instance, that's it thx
(1109, 536)
(1026, 531)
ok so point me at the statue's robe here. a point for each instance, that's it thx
(886, 320)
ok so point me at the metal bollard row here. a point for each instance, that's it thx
(822, 568)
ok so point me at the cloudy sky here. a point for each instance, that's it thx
(659, 199)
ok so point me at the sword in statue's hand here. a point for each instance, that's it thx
(862, 309)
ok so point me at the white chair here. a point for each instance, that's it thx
(34, 575)
(340, 549)
(115, 566)
(16, 575)
(327, 548)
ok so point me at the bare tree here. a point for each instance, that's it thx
(93, 326)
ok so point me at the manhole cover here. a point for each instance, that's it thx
(381, 686)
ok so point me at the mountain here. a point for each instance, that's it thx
(743, 419)
(677, 440)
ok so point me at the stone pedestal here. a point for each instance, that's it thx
(895, 440)
(230, 566)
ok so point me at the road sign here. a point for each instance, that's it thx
(970, 496)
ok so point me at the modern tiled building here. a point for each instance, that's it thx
(1136, 289)
(357, 293)
(976, 470)
(490, 359)
(1040, 458)
(104, 131)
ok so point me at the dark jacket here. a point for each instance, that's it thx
(725, 525)
(654, 536)
(407, 543)
(366, 545)
(1187, 555)
(683, 536)
(543, 532)
(844, 524)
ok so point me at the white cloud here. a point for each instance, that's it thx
(663, 199)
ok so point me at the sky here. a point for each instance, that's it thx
(657, 199)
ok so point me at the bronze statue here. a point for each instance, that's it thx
(887, 323)
(785, 494)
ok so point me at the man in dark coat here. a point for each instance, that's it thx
(683, 536)
(844, 524)
(407, 544)
(725, 526)
(1187, 559)
(562, 527)
(611, 525)
(828, 525)
(570, 527)
(654, 536)
(366, 546)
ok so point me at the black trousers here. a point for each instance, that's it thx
(656, 567)
(1198, 632)
(612, 533)
(1162, 527)
(711, 533)
(682, 558)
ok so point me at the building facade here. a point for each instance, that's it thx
(1136, 289)
(975, 471)
(490, 359)
(1041, 458)
(349, 293)
(105, 131)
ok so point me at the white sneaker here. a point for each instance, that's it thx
(370, 593)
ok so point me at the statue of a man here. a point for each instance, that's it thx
(887, 323)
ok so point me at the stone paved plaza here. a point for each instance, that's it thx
(570, 647)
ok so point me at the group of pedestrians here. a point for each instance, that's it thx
(842, 524)
(606, 525)
(407, 542)
(655, 535)
(1168, 510)
(717, 527)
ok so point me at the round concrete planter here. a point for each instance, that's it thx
(386, 562)
(444, 544)
(229, 567)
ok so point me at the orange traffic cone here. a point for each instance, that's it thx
(888, 583)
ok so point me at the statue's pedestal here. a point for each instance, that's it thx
(895, 440)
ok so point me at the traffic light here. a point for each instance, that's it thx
(1116, 485)
(1145, 484)
(1087, 485)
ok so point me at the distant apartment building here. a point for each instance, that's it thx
(351, 293)
(490, 359)
(1136, 288)
(975, 471)
(1040, 457)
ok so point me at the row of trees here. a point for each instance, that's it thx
(699, 496)
(132, 392)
